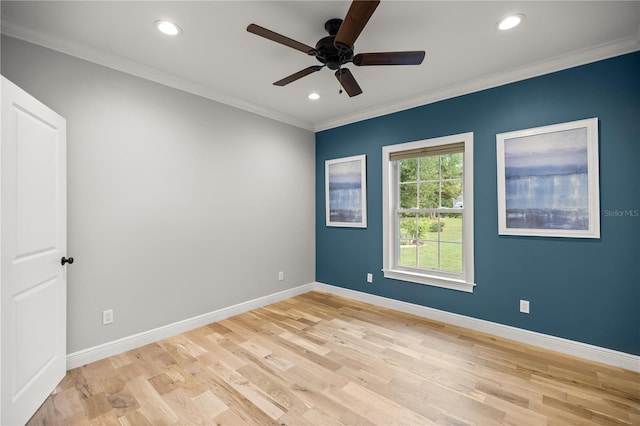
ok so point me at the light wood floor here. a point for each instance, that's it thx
(323, 360)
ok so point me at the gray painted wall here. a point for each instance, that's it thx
(178, 205)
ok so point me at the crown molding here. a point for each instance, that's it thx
(82, 51)
(603, 51)
(581, 57)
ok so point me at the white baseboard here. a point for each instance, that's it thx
(105, 350)
(558, 344)
(570, 347)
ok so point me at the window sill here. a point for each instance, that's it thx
(443, 282)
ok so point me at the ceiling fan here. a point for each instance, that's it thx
(336, 49)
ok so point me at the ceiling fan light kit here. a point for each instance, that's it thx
(337, 49)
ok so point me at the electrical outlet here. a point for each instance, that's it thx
(369, 278)
(107, 316)
(281, 276)
(524, 306)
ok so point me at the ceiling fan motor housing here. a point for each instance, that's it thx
(336, 49)
(326, 51)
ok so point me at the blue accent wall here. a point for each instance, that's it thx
(586, 290)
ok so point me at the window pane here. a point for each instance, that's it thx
(430, 226)
(429, 195)
(408, 170)
(451, 257)
(451, 227)
(408, 195)
(408, 227)
(451, 191)
(407, 253)
(428, 255)
(423, 225)
(451, 166)
(429, 168)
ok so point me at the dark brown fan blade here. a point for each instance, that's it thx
(349, 83)
(353, 24)
(279, 38)
(389, 58)
(298, 75)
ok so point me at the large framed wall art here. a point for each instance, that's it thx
(548, 181)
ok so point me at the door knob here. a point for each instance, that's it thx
(65, 260)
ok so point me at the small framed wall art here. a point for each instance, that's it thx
(346, 191)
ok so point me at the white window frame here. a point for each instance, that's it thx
(463, 282)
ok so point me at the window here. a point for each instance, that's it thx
(428, 212)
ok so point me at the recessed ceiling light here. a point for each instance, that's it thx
(509, 22)
(168, 28)
(313, 96)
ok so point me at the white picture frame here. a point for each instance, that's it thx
(548, 181)
(346, 191)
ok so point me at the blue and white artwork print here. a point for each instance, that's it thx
(546, 177)
(346, 191)
(546, 181)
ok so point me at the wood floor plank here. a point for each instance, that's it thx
(320, 359)
(152, 406)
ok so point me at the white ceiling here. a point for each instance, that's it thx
(217, 58)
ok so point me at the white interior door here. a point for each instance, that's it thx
(33, 233)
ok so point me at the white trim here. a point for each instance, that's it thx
(82, 51)
(389, 269)
(96, 353)
(558, 344)
(426, 279)
(569, 347)
(600, 52)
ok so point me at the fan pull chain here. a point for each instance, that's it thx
(340, 80)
